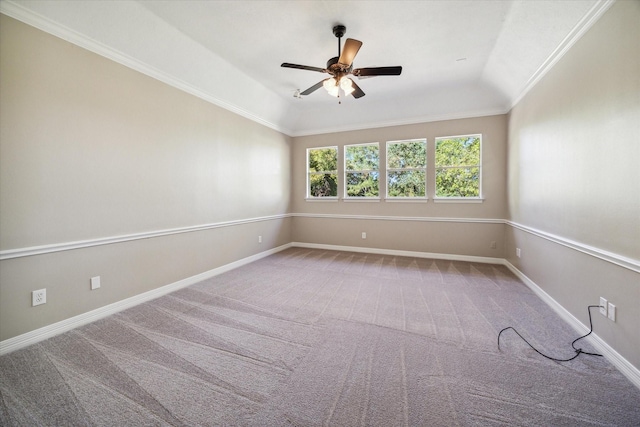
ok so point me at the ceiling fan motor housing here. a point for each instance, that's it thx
(337, 70)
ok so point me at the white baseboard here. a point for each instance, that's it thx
(57, 328)
(622, 364)
(394, 252)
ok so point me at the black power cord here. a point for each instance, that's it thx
(579, 351)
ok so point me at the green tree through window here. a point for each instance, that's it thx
(322, 172)
(458, 166)
(361, 170)
(406, 168)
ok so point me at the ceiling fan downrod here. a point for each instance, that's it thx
(339, 31)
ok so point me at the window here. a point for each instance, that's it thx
(458, 166)
(361, 170)
(407, 168)
(322, 172)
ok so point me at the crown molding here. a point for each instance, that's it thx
(29, 17)
(587, 21)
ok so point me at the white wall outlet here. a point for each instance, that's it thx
(364, 235)
(492, 245)
(95, 282)
(38, 297)
(603, 306)
(611, 312)
(259, 239)
(518, 253)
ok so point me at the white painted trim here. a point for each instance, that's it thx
(59, 247)
(400, 218)
(361, 199)
(619, 260)
(458, 200)
(322, 199)
(394, 252)
(57, 328)
(587, 21)
(21, 13)
(623, 365)
(406, 199)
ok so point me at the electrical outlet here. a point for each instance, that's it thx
(38, 297)
(492, 245)
(611, 312)
(259, 239)
(95, 282)
(518, 253)
(364, 235)
(603, 306)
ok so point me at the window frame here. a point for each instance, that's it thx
(425, 169)
(346, 171)
(309, 197)
(458, 199)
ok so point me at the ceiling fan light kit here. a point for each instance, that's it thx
(341, 66)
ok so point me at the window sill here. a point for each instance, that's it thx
(406, 199)
(321, 199)
(458, 200)
(360, 199)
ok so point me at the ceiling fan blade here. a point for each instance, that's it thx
(377, 71)
(357, 93)
(303, 67)
(349, 51)
(313, 88)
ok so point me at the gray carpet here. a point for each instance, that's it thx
(312, 338)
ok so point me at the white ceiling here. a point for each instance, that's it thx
(459, 58)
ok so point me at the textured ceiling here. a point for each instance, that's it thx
(459, 58)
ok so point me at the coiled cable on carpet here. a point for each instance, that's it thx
(579, 351)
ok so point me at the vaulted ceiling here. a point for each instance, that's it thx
(459, 58)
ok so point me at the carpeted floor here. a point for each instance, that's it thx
(311, 338)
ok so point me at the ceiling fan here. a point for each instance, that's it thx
(341, 66)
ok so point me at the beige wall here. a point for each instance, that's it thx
(90, 149)
(574, 172)
(429, 232)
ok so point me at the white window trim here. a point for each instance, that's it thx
(347, 198)
(476, 199)
(387, 169)
(406, 199)
(322, 199)
(360, 199)
(307, 190)
(458, 200)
